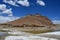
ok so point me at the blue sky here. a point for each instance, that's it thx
(19, 8)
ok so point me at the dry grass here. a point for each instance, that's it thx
(38, 32)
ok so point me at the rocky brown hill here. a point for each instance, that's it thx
(33, 20)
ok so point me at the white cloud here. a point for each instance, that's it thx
(4, 19)
(10, 15)
(10, 2)
(7, 11)
(4, 10)
(24, 3)
(40, 2)
(2, 6)
(21, 2)
(56, 21)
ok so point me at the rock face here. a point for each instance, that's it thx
(33, 20)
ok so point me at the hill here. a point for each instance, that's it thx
(31, 23)
(33, 20)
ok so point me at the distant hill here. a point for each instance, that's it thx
(30, 23)
(33, 20)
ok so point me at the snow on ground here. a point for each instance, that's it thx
(24, 33)
(28, 38)
(52, 33)
(19, 33)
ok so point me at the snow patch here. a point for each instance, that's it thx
(53, 33)
(28, 38)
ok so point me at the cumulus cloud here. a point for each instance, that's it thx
(40, 2)
(4, 19)
(10, 2)
(2, 6)
(24, 3)
(21, 2)
(8, 11)
(4, 10)
(10, 14)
